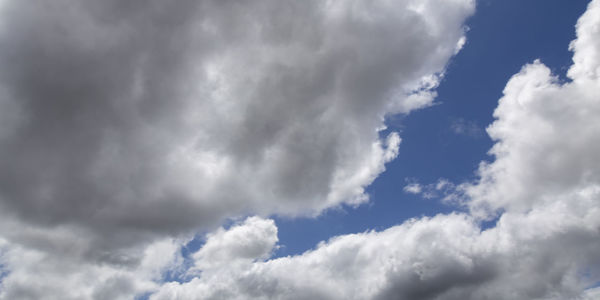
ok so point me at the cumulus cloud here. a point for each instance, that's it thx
(546, 133)
(546, 254)
(444, 257)
(251, 240)
(545, 242)
(39, 274)
(156, 116)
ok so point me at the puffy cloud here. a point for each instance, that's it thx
(357, 266)
(413, 188)
(159, 117)
(546, 133)
(39, 274)
(253, 239)
(544, 183)
(526, 256)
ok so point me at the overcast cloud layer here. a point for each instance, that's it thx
(147, 120)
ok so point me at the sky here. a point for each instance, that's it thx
(411, 149)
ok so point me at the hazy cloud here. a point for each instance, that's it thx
(461, 126)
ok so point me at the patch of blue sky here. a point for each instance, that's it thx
(3, 272)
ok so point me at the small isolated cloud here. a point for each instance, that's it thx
(464, 127)
(413, 188)
(442, 189)
(460, 44)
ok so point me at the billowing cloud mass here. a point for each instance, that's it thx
(126, 125)
(158, 116)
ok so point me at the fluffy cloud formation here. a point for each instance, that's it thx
(155, 116)
(547, 134)
(253, 239)
(445, 257)
(39, 274)
(545, 180)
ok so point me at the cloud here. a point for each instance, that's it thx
(161, 117)
(443, 189)
(255, 238)
(445, 257)
(461, 126)
(543, 184)
(38, 274)
(125, 124)
(413, 188)
(546, 133)
(591, 294)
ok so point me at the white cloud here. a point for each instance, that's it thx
(413, 188)
(527, 256)
(443, 189)
(254, 239)
(547, 133)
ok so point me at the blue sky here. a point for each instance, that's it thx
(275, 149)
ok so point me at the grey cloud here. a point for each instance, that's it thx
(147, 118)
